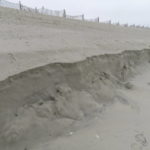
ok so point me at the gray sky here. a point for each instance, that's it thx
(124, 11)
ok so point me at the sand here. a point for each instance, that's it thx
(67, 84)
(123, 125)
(28, 40)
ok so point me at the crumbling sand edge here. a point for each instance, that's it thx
(17, 76)
(63, 91)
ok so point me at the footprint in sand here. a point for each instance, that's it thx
(140, 143)
(140, 138)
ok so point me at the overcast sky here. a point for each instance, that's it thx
(124, 11)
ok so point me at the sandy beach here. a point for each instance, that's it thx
(68, 84)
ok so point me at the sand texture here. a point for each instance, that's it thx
(68, 85)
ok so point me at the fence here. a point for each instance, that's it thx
(5, 3)
(59, 13)
(79, 17)
(51, 12)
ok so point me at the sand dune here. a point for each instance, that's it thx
(28, 40)
(50, 100)
(65, 78)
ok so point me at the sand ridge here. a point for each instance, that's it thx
(49, 100)
(31, 40)
(57, 74)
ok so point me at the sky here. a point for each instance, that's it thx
(123, 11)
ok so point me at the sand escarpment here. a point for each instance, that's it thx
(46, 101)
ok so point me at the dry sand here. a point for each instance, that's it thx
(99, 102)
(125, 125)
(28, 41)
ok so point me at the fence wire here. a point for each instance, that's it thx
(79, 17)
(59, 13)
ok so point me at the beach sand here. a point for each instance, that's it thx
(67, 84)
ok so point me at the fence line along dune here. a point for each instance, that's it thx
(58, 13)
(72, 85)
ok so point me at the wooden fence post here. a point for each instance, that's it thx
(83, 17)
(20, 5)
(36, 10)
(98, 19)
(64, 13)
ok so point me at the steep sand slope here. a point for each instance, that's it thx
(28, 40)
(48, 99)
(46, 102)
(124, 125)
